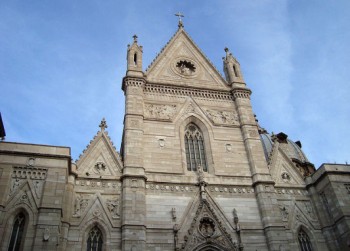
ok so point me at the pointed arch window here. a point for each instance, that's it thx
(195, 151)
(304, 241)
(17, 232)
(94, 242)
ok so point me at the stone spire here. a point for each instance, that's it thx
(232, 69)
(134, 59)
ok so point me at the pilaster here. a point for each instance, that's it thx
(133, 179)
(275, 233)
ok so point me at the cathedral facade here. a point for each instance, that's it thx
(195, 172)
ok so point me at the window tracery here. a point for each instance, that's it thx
(304, 241)
(94, 242)
(17, 232)
(194, 146)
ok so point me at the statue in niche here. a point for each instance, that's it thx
(15, 185)
(113, 207)
(77, 206)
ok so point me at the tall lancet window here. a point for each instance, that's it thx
(17, 232)
(304, 241)
(195, 152)
(94, 242)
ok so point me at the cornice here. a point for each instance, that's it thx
(187, 91)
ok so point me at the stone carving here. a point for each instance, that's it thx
(191, 109)
(284, 212)
(31, 162)
(161, 143)
(185, 67)
(228, 148)
(206, 228)
(157, 111)
(29, 172)
(173, 213)
(192, 92)
(102, 184)
(170, 188)
(222, 117)
(285, 177)
(100, 167)
(96, 213)
(46, 235)
(347, 187)
(113, 207)
(15, 185)
(38, 187)
(309, 210)
(80, 205)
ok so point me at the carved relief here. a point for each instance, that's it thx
(157, 111)
(80, 205)
(113, 207)
(285, 177)
(284, 212)
(100, 167)
(206, 228)
(102, 184)
(222, 117)
(185, 67)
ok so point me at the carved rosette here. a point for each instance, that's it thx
(159, 112)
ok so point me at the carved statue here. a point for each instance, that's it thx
(113, 207)
(173, 212)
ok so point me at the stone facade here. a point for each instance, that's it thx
(195, 172)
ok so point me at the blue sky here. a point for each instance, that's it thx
(62, 63)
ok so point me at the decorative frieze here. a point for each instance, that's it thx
(241, 93)
(29, 172)
(222, 117)
(230, 189)
(97, 183)
(183, 91)
(158, 111)
(291, 191)
(171, 188)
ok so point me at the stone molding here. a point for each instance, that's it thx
(241, 93)
(97, 183)
(132, 81)
(185, 91)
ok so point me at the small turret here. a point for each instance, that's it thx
(232, 69)
(134, 59)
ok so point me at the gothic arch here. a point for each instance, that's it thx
(85, 230)
(209, 247)
(207, 133)
(309, 233)
(28, 225)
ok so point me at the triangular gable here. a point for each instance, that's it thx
(168, 67)
(204, 223)
(23, 195)
(100, 209)
(100, 158)
(190, 107)
(283, 170)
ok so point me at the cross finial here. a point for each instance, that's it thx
(135, 38)
(179, 15)
(103, 124)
